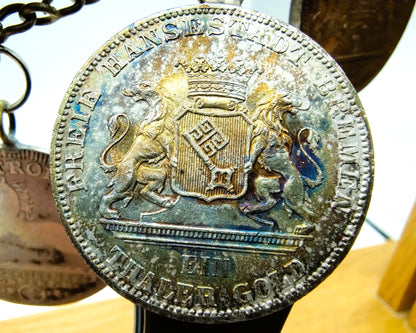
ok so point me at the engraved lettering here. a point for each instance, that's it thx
(205, 296)
(76, 136)
(132, 270)
(146, 283)
(75, 183)
(349, 181)
(205, 266)
(217, 25)
(15, 167)
(166, 289)
(171, 31)
(342, 203)
(72, 163)
(338, 106)
(220, 267)
(295, 268)
(132, 51)
(190, 265)
(242, 293)
(346, 128)
(238, 28)
(299, 55)
(89, 99)
(29, 293)
(33, 169)
(256, 36)
(151, 40)
(114, 65)
(80, 116)
(184, 294)
(273, 277)
(277, 44)
(270, 284)
(127, 268)
(193, 27)
(348, 154)
(325, 86)
(262, 287)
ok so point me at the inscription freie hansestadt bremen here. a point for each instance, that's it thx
(212, 164)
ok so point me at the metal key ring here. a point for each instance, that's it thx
(11, 107)
(8, 137)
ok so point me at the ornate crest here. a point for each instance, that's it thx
(210, 161)
(212, 147)
(213, 136)
(215, 185)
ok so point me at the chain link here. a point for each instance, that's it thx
(28, 13)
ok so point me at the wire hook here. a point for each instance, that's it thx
(11, 107)
(8, 137)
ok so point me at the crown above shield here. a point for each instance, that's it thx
(214, 75)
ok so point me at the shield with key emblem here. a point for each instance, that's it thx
(213, 146)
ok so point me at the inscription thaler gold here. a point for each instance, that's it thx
(211, 163)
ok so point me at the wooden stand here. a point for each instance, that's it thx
(398, 286)
(346, 301)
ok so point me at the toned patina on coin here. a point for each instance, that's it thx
(38, 263)
(360, 35)
(212, 164)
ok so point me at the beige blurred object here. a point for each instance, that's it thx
(323, 310)
(347, 300)
(38, 264)
(360, 35)
(398, 286)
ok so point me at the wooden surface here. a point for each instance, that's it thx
(412, 317)
(345, 302)
(115, 316)
(398, 286)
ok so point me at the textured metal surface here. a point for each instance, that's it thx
(38, 263)
(360, 35)
(212, 164)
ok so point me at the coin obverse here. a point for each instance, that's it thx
(38, 264)
(212, 164)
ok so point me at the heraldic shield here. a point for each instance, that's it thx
(213, 146)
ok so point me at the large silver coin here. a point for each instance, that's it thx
(212, 164)
(38, 263)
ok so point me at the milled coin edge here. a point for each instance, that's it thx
(244, 312)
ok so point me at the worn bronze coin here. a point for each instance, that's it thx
(211, 163)
(360, 35)
(38, 263)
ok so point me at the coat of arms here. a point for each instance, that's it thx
(213, 135)
(211, 147)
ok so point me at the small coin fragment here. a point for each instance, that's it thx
(360, 35)
(38, 263)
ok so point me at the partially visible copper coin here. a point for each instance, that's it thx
(212, 163)
(38, 263)
(361, 35)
